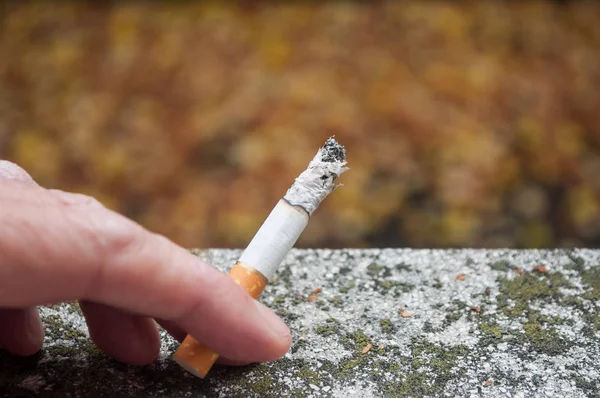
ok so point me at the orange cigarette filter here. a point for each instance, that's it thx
(194, 356)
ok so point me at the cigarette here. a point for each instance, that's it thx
(273, 241)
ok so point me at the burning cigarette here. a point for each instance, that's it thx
(274, 240)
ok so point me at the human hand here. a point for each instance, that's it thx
(57, 246)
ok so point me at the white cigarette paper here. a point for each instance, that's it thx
(289, 218)
(275, 238)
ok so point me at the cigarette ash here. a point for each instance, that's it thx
(332, 151)
(318, 180)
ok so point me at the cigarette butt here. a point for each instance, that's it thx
(194, 356)
(273, 241)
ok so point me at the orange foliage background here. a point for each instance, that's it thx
(466, 124)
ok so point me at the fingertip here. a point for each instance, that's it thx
(126, 337)
(279, 330)
(147, 342)
(25, 336)
(242, 330)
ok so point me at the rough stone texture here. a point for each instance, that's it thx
(438, 323)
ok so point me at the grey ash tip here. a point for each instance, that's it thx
(333, 151)
(318, 180)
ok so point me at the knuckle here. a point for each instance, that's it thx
(115, 235)
(11, 171)
(74, 199)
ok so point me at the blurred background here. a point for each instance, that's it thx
(466, 123)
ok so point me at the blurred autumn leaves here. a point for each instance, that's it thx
(466, 124)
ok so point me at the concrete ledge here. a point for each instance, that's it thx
(387, 323)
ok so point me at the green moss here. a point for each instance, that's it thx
(437, 284)
(502, 300)
(360, 338)
(345, 270)
(387, 366)
(72, 307)
(428, 328)
(572, 301)
(491, 331)
(386, 325)
(346, 289)
(285, 275)
(413, 385)
(406, 287)
(326, 330)
(591, 278)
(538, 330)
(543, 340)
(403, 267)
(301, 343)
(337, 301)
(503, 266)
(455, 312)
(56, 328)
(441, 360)
(385, 284)
(396, 287)
(373, 269)
(309, 375)
(393, 287)
(577, 262)
(536, 316)
(531, 286)
(517, 310)
(349, 366)
(262, 386)
(355, 340)
(416, 363)
(592, 388)
(593, 320)
(279, 299)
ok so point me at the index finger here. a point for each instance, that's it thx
(52, 254)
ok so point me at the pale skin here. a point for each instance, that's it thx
(57, 246)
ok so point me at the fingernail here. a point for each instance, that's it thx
(277, 326)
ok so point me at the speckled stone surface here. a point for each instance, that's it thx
(386, 323)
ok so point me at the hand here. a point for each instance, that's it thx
(57, 246)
